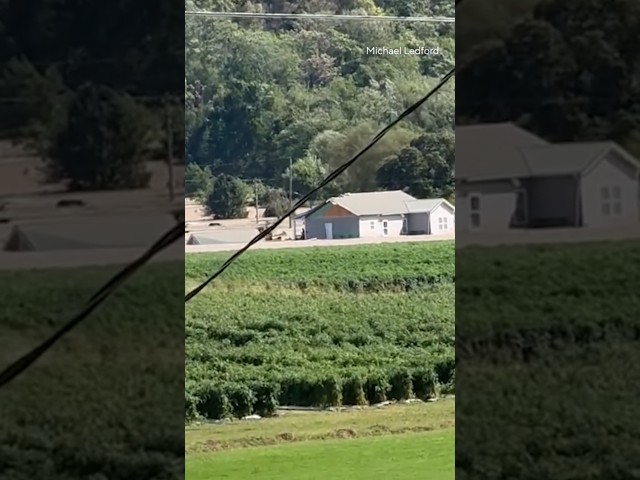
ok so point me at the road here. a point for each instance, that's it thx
(77, 258)
(318, 243)
(105, 257)
(82, 258)
(556, 236)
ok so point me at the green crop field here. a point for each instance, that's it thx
(547, 342)
(101, 404)
(320, 327)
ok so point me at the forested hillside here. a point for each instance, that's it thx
(567, 71)
(261, 94)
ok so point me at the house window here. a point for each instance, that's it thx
(611, 200)
(372, 225)
(385, 228)
(443, 223)
(474, 203)
(616, 193)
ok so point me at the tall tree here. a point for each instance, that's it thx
(198, 181)
(560, 73)
(109, 129)
(228, 199)
(425, 169)
(306, 173)
(39, 105)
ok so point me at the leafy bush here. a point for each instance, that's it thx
(450, 388)
(376, 388)
(353, 391)
(213, 402)
(191, 404)
(445, 370)
(276, 204)
(266, 399)
(424, 383)
(331, 392)
(298, 391)
(401, 387)
(228, 198)
(241, 399)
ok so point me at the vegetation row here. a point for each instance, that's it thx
(217, 400)
(386, 264)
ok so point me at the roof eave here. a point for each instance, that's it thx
(613, 146)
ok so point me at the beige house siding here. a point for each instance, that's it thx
(442, 221)
(373, 226)
(611, 173)
(497, 201)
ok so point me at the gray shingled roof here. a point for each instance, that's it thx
(374, 203)
(504, 150)
(564, 159)
(395, 202)
(426, 205)
(490, 151)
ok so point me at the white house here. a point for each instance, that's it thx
(378, 214)
(509, 178)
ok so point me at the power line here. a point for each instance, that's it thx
(318, 16)
(23, 363)
(333, 175)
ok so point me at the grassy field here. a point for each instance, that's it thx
(363, 444)
(103, 403)
(320, 327)
(362, 459)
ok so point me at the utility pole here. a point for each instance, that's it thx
(255, 191)
(172, 193)
(291, 192)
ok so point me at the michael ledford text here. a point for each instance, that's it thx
(403, 51)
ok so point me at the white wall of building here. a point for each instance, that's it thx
(496, 201)
(442, 221)
(374, 226)
(610, 194)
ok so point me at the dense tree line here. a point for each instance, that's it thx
(76, 77)
(266, 97)
(567, 71)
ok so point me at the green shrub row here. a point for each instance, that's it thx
(216, 400)
(375, 285)
(322, 266)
